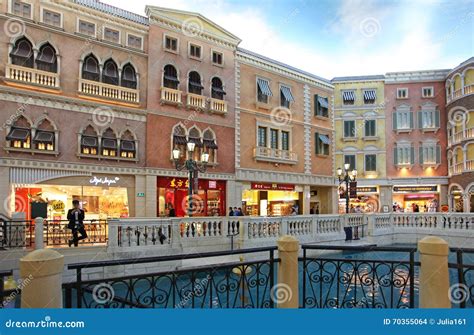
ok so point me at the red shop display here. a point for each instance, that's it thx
(208, 199)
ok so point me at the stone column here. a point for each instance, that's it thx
(41, 273)
(5, 191)
(306, 199)
(434, 273)
(39, 237)
(286, 295)
(140, 202)
(151, 189)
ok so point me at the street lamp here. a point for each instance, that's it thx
(192, 166)
(346, 178)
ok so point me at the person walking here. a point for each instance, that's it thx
(172, 212)
(75, 217)
(231, 212)
(240, 213)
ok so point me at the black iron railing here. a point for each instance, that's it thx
(16, 234)
(246, 284)
(56, 232)
(462, 290)
(331, 280)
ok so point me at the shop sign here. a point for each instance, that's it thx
(415, 189)
(367, 189)
(58, 205)
(140, 194)
(103, 180)
(179, 183)
(353, 189)
(273, 187)
(212, 184)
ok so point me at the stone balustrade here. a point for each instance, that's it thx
(110, 92)
(32, 76)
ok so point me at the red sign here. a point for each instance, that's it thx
(183, 183)
(273, 187)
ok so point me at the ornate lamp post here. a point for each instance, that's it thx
(346, 178)
(192, 166)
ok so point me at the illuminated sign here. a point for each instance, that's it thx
(415, 189)
(103, 180)
(367, 189)
(212, 184)
(179, 183)
(273, 187)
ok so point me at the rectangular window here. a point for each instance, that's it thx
(263, 90)
(322, 144)
(348, 97)
(349, 129)
(22, 9)
(402, 93)
(404, 155)
(321, 106)
(403, 120)
(134, 42)
(86, 28)
(274, 138)
(369, 97)
(351, 160)
(427, 92)
(171, 43)
(194, 51)
(262, 136)
(370, 128)
(111, 35)
(285, 140)
(286, 97)
(217, 58)
(51, 18)
(428, 119)
(371, 163)
(430, 154)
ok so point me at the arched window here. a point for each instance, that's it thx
(127, 145)
(19, 135)
(89, 141)
(210, 145)
(194, 83)
(22, 53)
(110, 73)
(129, 77)
(45, 136)
(109, 143)
(47, 60)
(90, 68)
(217, 91)
(194, 136)
(179, 140)
(170, 77)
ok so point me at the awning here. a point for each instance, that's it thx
(196, 141)
(46, 57)
(286, 91)
(211, 144)
(264, 87)
(89, 141)
(324, 138)
(109, 143)
(323, 102)
(18, 134)
(196, 84)
(218, 90)
(348, 96)
(370, 95)
(44, 137)
(171, 78)
(179, 140)
(127, 145)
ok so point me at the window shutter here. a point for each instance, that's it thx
(420, 120)
(438, 154)
(411, 120)
(436, 116)
(394, 121)
(316, 105)
(346, 127)
(316, 143)
(412, 158)
(395, 156)
(421, 155)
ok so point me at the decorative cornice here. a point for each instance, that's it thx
(415, 76)
(237, 114)
(284, 177)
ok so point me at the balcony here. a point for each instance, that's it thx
(31, 76)
(275, 155)
(109, 92)
(170, 96)
(461, 136)
(468, 89)
(217, 106)
(196, 102)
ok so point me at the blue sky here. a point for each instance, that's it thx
(343, 37)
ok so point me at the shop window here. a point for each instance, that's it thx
(262, 136)
(90, 68)
(22, 53)
(217, 90)
(370, 128)
(351, 160)
(274, 138)
(371, 163)
(285, 140)
(349, 129)
(129, 77)
(194, 83)
(210, 145)
(19, 135)
(109, 143)
(89, 141)
(322, 144)
(47, 60)
(170, 77)
(110, 73)
(179, 140)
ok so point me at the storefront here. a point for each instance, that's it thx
(267, 199)
(101, 197)
(418, 198)
(366, 200)
(209, 199)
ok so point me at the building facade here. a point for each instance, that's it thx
(359, 106)
(459, 88)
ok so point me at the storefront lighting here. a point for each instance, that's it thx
(354, 173)
(339, 172)
(205, 157)
(347, 166)
(191, 146)
(176, 154)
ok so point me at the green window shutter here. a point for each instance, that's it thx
(421, 154)
(438, 154)
(394, 121)
(420, 120)
(436, 115)
(395, 156)
(412, 158)
(411, 120)
(316, 143)
(316, 105)
(346, 129)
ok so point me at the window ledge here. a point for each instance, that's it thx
(431, 165)
(370, 174)
(321, 117)
(100, 157)
(171, 51)
(371, 138)
(262, 105)
(32, 151)
(398, 131)
(428, 130)
(217, 64)
(195, 58)
(406, 166)
(349, 139)
(322, 156)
